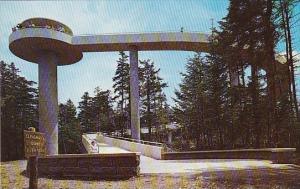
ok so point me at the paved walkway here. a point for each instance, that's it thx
(106, 149)
(152, 166)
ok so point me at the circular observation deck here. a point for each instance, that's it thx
(31, 38)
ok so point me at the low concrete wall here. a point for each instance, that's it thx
(106, 166)
(86, 143)
(145, 149)
(277, 155)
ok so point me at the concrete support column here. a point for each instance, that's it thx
(234, 78)
(48, 103)
(170, 137)
(134, 95)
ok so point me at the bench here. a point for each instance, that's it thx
(99, 166)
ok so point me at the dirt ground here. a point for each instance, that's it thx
(12, 176)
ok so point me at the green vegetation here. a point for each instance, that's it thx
(122, 92)
(19, 111)
(225, 107)
(69, 131)
(153, 100)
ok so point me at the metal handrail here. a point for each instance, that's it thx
(128, 139)
(43, 27)
(146, 32)
(135, 140)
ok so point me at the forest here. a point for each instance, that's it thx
(242, 94)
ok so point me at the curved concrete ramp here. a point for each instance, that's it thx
(192, 166)
(102, 147)
(113, 145)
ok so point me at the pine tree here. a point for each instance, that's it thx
(217, 92)
(19, 110)
(69, 138)
(288, 108)
(122, 90)
(284, 13)
(243, 31)
(85, 112)
(103, 115)
(151, 91)
(191, 100)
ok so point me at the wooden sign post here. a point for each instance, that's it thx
(34, 144)
(33, 172)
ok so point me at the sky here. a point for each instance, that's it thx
(112, 16)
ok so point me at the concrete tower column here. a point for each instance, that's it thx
(134, 95)
(48, 103)
(234, 78)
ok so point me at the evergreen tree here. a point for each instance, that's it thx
(103, 115)
(85, 112)
(247, 41)
(19, 110)
(284, 14)
(69, 138)
(288, 108)
(191, 100)
(152, 96)
(243, 30)
(122, 90)
(217, 93)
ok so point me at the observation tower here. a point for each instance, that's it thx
(50, 43)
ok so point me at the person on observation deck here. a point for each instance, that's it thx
(93, 147)
(19, 26)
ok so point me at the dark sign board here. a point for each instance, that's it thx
(34, 144)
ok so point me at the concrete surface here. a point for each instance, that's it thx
(134, 95)
(48, 102)
(148, 150)
(194, 166)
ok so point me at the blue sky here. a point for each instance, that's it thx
(114, 16)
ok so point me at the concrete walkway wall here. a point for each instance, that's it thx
(86, 143)
(277, 155)
(145, 149)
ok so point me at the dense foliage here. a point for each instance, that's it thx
(122, 93)
(153, 100)
(69, 131)
(239, 95)
(19, 111)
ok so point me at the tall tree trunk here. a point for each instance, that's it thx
(291, 63)
(255, 96)
(286, 52)
(271, 71)
(289, 52)
(243, 77)
(122, 112)
(149, 116)
(257, 126)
